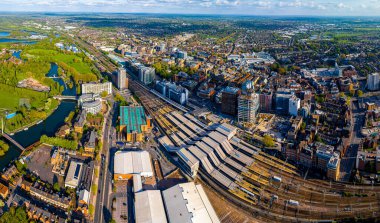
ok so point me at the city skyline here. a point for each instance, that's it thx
(235, 7)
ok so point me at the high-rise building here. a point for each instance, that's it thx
(282, 102)
(230, 100)
(182, 54)
(147, 74)
(121, 79)
(294, 105)
(247, 107)
(265, 100)
(373, 82)
(172, 91)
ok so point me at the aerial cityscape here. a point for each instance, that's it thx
(195, 111)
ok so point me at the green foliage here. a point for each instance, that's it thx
(104, 94)
(94, 189)
(268, 141)
(320, 98)
(360, 93)
(56, 187)
(166, 71)
(56, 141)
(91, 209)
(70, 117)
(15, 215)
(303, 126)
(20, 167)
(4, 147)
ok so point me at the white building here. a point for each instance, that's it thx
(97, 88)
(247, 107)
(121, 78)
(149, 207)
(91, 103)
(133, 162)
(373, 82)
(147, 74)
(74, 174)
(294, 105)
(188, 202)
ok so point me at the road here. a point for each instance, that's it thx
(103, 204)
(349, 159)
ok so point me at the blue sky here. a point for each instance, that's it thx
(246, 7)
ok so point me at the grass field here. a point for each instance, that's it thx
(71, 60)
(10, 97)
(8, 100)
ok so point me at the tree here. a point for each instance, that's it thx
(104, 94)
(91, 209)
(268, 141)
(360, 93)
(4, 147)
(15, 215)
(56, 187)
(94, 189)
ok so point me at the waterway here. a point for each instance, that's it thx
(3, 39)
(47, 127)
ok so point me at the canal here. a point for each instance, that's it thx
(47, 127)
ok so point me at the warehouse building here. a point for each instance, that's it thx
(188, 202)
(133, 123)
(149, 207)
(128, 163)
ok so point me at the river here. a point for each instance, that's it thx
(47, 127)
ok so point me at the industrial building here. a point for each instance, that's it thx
(97, 88)
(149, 207)
(133, 123)
(188, 202)
(248, 105)
(128, 163)
(74, 174)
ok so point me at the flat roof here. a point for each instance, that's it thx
(149, 207)
(133, 162)
(132, 117)
(188, 202)
(74, 173)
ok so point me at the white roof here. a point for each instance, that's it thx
(133, 162)
(74, 174)
(149, 207)
(84, 195)
(188, 202)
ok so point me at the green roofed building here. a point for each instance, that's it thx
(134, 123)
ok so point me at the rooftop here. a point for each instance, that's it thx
(132, 118)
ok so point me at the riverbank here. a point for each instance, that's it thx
(37, 122)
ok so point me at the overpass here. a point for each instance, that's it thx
(6, 136)
(63, 97)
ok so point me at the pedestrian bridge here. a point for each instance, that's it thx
(6, 136)
(62, 97)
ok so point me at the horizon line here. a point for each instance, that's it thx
(193, 14)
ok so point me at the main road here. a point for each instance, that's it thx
(349, 159)
(103, 209)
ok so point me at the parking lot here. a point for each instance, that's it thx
(38, 162)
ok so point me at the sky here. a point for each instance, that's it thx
(237, 7)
